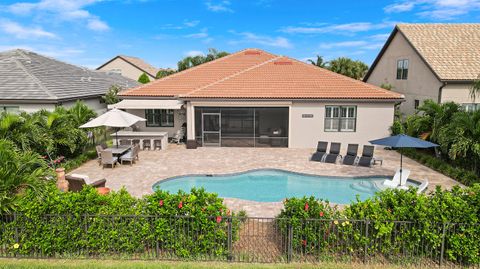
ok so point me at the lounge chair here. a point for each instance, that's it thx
(131, 155)
(367, 156)
(321, 151)
(398, 180)
(147, 144)
(77, 182)
(334, 153)
(351, 157)
(108, 158)
(157, 144)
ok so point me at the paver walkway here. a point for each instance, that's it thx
(176, 160)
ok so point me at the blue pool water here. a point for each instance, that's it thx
(276, 185)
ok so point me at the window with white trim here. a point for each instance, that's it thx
(340, 118)
(470, 107)
(402, 69)
(159, 117)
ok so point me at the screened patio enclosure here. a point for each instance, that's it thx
(241, 126)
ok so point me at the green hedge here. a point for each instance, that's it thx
(461, 175)
(82, 224)
(391, 224)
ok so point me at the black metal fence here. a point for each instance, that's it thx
(238, 239)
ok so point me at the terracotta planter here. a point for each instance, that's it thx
(62, 183)
(103, 190)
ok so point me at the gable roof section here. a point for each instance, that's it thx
(136, 62)
(451, 51)
(256, 74)
(26, 75)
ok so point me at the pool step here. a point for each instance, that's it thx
(363, 186)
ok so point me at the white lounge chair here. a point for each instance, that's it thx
(396, 180)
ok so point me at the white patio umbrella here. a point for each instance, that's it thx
(114, 118)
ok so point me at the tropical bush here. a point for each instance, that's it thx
(89, 224)
(392, 222)
(20, 171)
(456, 131)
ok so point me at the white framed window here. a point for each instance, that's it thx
(340, 118)
(470, 107)
(159, 117)
(402, 69)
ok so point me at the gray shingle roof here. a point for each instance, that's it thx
(25, 75)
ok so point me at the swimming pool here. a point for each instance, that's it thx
(271, 185)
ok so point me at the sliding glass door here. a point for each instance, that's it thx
(242, 126)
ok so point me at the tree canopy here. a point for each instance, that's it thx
(191, 61)
(342, 65)
(111, 97)
(143, 78)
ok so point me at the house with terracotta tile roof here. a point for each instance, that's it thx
(254, 98)
(130, 67)
(430, 61)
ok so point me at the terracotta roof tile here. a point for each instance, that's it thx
(451, 50)
(256, 74)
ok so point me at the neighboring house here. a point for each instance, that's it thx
(130, 67)
(30, 82)
(430, 61)
(253, 98)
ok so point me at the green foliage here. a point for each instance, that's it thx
(397, 128)
(19, 171)
(111, 97)
(192, 61)
(144, 79)
(475, 88)
(88, 224)
(387, 86)
(320, 62)
(348, 67)
(164, 73)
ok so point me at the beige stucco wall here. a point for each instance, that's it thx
(179, 117)
(127, 70)
(422, 84)
(93, 103)
(459, 93)
(373, 121)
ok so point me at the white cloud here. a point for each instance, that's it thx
(221, 6)
(186, 24)
(202, 34)
(337, 28)
(355, 44)
(193, 53)
(97, 25)
(24, 32)
(435, 9)
(66, 10)
(251, 38)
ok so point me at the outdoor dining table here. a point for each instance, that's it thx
(118, 151)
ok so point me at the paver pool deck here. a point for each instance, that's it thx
(154, 166)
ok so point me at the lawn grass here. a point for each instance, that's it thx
(84, 264)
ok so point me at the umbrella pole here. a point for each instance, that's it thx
(116, 136)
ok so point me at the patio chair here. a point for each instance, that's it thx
(178, 137)
(351, 157)
(77, 182)
(147, 144)
(125, 142)
(108, 158)
(397, 181)
(99, 149)
(157, 144)
(321, 151)
(334, 153)
(130, 155)
(367, 156)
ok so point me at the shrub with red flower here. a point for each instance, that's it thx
(160, 203)
(180, 205)
(219, 219)
(305, 207)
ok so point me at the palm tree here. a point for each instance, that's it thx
(348, 67)
(81, 113)
(319, 62)
(475, 88)
(433, 117)
(19, 171)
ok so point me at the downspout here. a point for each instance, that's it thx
(440, 90)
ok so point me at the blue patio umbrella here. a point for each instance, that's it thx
(403, 141)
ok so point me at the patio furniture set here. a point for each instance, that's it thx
(119, 154)
(351, 158)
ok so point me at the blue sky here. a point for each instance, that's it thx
(89, 32)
